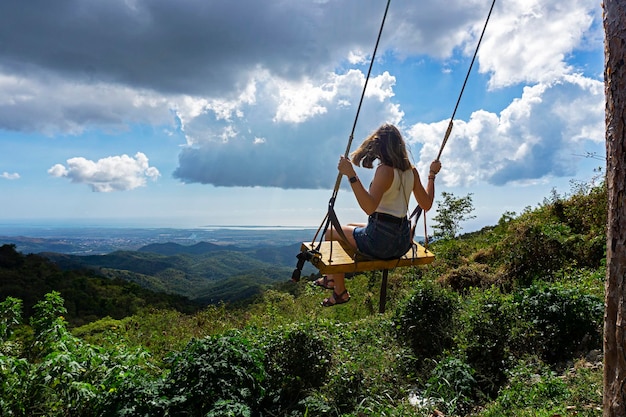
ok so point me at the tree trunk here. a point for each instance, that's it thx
(614, 401)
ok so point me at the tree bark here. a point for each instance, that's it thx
(614, 401)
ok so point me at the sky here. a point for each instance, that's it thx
(187, 113)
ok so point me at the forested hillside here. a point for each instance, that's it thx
(87, 296)
(506, 321)
(203, 272)
(184, 277)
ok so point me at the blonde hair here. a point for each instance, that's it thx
(386, 145)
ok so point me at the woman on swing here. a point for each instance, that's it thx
(387, 232)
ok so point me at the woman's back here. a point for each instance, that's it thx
(395, 200)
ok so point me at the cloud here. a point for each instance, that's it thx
(7, 176)
(301, 141)
(114, 173)
(58, 105)
(68, 70)
(536, 136)
(189, 47)
(266, 92)
(529, 41)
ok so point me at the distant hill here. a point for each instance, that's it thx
(199, 248)
(166, 275)
(203, 272)
(87, 296)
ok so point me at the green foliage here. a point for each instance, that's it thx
(10, 258)
(295, 362)
(451, 213)
(425, 321)
(87, 296)
(59, 374)
(213, 372)
(131, 387)
(465, 346)
(452, 384)
(485, 336)
(564, 321)
(467, 277)
(534, 251)
(533, 390)
(10, 317)
(13, 368)
(449, 252)
(585, 210)
(537, 245)
(49, 325)
(585, 386)
(347, 387)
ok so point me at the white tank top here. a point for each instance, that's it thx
(395, 200)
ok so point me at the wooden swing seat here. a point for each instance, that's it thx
(337, 257)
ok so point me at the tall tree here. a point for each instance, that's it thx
(614, 402)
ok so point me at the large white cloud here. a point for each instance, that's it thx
(528, 41)
(114, 173)
(537, 136)
(287, 143)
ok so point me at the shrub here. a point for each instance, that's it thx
(449, 252)
(587, 251)
(485, 336)
(61, 375)
(131, 385)
(534, 251)
(532, 387)
(48, 323)
(295, 362)
(564, 321)
(213, 373)
(452, 383)
(347, 388)
(464, 278)
(425, 321)
(13, 370)
(57, 377)
(586, 210)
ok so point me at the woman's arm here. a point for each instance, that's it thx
(368, 200)
(425, 196)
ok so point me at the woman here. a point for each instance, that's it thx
(387, 233)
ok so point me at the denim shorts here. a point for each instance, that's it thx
(382, 239)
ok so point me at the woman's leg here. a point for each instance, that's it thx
(339, 279)
(332, 234)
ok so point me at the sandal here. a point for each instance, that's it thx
(335, 299)
(325, 283)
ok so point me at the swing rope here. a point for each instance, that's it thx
(358, 111)
(331, 217)
(418, 209)
(449, 130)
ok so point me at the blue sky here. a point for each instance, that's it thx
(188, 113)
